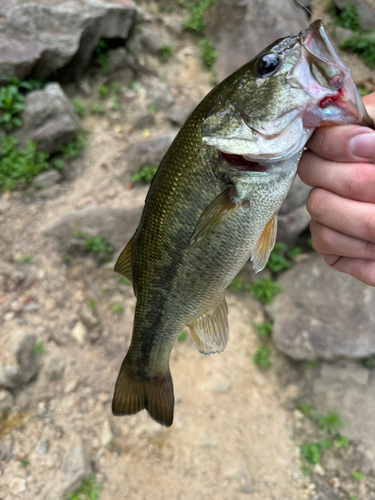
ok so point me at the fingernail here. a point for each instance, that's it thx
(363, 145)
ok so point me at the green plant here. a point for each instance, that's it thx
(304, 408)
(89, 490)
(261, 357)
(341, 441)
(362, 90)
(19, 166)
(195, 20)
(117, 307)
(329, 423)
(101, 58)
(133, 85)
(264, 290)
(92, 304)
(277, 262)
(369, 362)
(152, 109)
(165, 52)
(23, 259)
(348, 18)
(362, 44)
(79, 107)
(293, 252)
(97, 109)
(116, 88)
(12, 102)
(57, 163)
(311, 451)
(39, 347)
(207, 52)
(24, 462)
(103, 91)
(264, 329)
(73, 148)
(237, 284)
(97, 244)
(182, 336)
(145, 174)
(307, 471)
(358, 476)
(115, 105)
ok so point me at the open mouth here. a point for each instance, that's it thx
(240, 163)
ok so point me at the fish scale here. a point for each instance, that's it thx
(214, 200)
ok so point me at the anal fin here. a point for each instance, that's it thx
(264, 246)
(124, 262)
(218, 211)
(210, 331)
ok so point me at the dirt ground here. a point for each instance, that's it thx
(236, 432)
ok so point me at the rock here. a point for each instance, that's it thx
(292, 224)
(106, 435)
(340, 34)
(323, 314)
(18, 55)
(297, 196)
(145, 121)
(76, 467)
(118, 59)
(218, 385)
(149, 152)
(179, 112)
(250, 25)
(145, 38)
(41, 446)
(48, 119)
(114, 225)
(58, 39)
(47, 179)
(323, 491)
(88, 317)
(365, 9)
(159, 96)
(55, 369)
(79, 333)
(19, 362)
(71, 385)
(6, 401)
(17, 485)
(348, 388)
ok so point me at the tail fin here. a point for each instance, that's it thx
(133, 393)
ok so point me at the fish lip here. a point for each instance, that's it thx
(339, 93)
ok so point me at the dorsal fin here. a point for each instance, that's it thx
(210, 331)
(265, 244)
(124, 262)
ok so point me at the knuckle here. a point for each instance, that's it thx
(363, 175)
(315, 201)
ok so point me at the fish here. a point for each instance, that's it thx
(213, 204)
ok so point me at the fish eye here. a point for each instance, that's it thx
(268, 64)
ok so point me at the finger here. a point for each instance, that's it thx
(355, 181)
(361, 269)
(349, 143)
(328, 241)
(346, 216)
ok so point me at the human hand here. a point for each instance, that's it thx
(340, 166)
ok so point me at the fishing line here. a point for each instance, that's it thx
(304, 7)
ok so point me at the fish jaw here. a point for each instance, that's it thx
(333, 96)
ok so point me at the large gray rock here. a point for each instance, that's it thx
(149, 152)
(48, 119)
(59, 34)
(76, 467)
(115, 225)
(19, 362)
(18, 55)
(240, 29)
(323, 314)
(365, 9)
(349, 388)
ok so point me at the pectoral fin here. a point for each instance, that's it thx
(124, 262)
(216, 213)
(210, 331)
(265, 244)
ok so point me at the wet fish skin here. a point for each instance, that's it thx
(213, 204)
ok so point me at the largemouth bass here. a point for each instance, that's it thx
(213, 204)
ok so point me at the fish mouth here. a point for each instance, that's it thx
(334, 96)
(241, 164)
